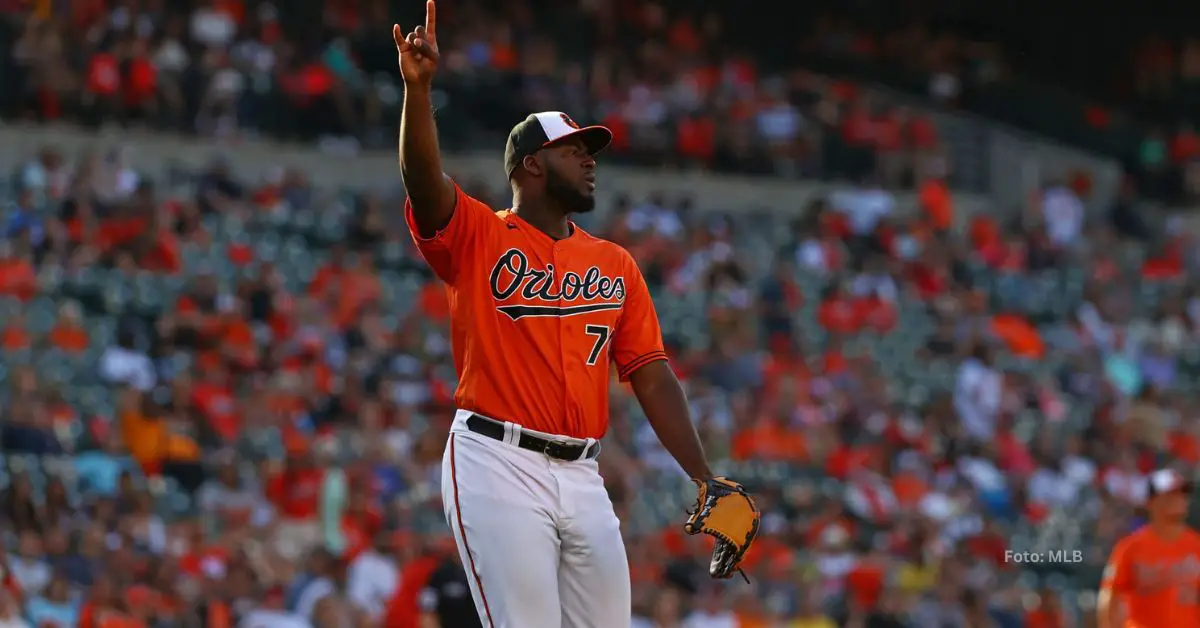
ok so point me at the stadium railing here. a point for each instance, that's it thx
(155, 154)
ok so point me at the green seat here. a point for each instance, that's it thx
(267, 247)
(330, 229)
(391, 254)
(303, 222)
(194, 258)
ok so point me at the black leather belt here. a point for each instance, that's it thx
(563, 451)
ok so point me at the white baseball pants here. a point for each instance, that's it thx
(538, 536)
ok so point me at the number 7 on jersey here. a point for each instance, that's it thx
(601, 333)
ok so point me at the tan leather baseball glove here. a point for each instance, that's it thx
(727, 512)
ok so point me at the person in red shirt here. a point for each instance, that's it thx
(213, 398)
(864, 583)
(922, 134)
(695, 138)
(930, 274)
(313, 92)
(1186, 145)
(989, 545)
(876, 313)
(295, 490)
(937, 202)
(361, 522)
(103, 86)
(139, 81)
(160, 250)
(858, 129)
(68, 334)
(202, 559)
(99, 609)
(404, 608)
(17, 275)
(329, 275)
(1048, 613)
(15, 336)
(838, 313)
(858, 133)
(890, 146)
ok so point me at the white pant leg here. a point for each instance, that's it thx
(593, 575)
(499, 502)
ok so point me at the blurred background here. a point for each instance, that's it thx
(924, 268)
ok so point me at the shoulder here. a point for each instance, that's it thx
(466, 200)
(463, 200)
(1131, 541)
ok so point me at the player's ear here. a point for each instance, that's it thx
(533, 164)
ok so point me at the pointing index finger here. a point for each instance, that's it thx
(431, 17)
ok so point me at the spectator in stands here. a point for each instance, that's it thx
(446, 598)
(978, 393)
(273, 613)
(55, 607)
(10, 612)
(295, 490)
(124, 364)
(1063, 213)
(373, 576)
(27, 564)
(1126, 215)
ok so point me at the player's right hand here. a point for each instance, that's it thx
(418, 50)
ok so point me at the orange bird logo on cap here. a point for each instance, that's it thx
(571, 123)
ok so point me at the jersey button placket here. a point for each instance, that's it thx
(564, 328)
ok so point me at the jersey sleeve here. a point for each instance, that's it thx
(637, 340)
(1118, 573)
(448, 250)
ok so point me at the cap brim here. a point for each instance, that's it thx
(595, 138)
(1182, 487)
(1167, 482)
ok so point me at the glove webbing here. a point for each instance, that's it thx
(715, 533)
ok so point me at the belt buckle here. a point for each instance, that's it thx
(554, 449)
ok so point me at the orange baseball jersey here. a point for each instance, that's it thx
(535, 322)
(1157, 580)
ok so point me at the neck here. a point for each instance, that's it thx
(1167, 529)
(542, 215)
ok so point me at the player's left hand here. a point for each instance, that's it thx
(725, 511)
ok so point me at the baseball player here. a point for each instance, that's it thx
(1153, 575)
(540, 310)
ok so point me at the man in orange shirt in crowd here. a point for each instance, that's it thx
(1153, 576)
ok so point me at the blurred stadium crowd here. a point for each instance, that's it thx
(687, 83)
(225, 398)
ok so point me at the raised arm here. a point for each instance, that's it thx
(430, 191)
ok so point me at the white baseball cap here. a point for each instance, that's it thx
(542, 130)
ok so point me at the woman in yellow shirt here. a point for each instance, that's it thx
(917, 577)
